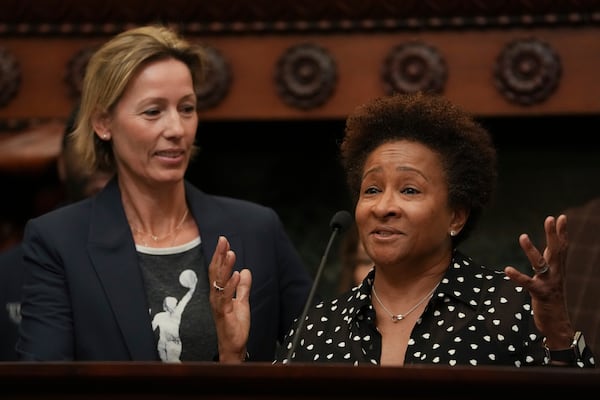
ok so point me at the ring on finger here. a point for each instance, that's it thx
(541, 270)
(218, 288)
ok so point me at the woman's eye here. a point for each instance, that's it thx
(189, 109)
(152, 112)
(410, 190)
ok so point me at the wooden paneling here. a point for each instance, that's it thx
(133, 380)
(45, 36)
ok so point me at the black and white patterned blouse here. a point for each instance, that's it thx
(477, 316)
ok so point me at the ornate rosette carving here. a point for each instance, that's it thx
(306, 76)
(527, 71)
(217, 80)
(413, 67)
(76, 70)
(10, 77)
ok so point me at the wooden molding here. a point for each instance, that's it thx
(315, 59)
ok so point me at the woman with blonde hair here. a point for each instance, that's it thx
(101, 269)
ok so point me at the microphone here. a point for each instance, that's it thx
(340, 222)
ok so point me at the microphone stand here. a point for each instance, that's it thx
(339, 222)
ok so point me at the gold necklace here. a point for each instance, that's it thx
(156, 238)
(399, 317)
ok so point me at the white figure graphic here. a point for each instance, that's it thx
(169, 320)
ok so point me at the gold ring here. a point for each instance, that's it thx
(217, 287)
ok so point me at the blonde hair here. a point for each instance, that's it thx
(108, 73)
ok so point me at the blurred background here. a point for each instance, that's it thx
(285, 74)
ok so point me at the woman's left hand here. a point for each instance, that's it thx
(547, 285)
(229, 300)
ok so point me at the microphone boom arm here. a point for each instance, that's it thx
(340, 221)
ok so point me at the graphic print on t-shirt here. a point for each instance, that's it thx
(168, 321)
(187, 328)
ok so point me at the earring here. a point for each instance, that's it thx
(105, 137)
(453, 233)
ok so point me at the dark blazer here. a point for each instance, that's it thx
(84, 298)
(582, 280)
(11, 280)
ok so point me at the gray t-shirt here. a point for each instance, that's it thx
(177, 288)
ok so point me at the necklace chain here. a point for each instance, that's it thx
(156, 238)
(399, 317)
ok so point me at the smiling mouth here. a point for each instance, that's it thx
(170, 154)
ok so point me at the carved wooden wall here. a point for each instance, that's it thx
(319, 59)
(278, 60)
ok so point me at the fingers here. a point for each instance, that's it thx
(244, 285)
(224, 280)
(515, 275)
(221, 266)
(546, 286)
(552, 242)
(555, 252)
(229, 300)
(555, 232)
(556, 238)
(556, 228)
(561, 226)
(548, 264)
(536, 259)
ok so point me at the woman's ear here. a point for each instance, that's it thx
(101, 124)
(459, 219)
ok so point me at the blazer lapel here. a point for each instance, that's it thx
(114, 257)
(213, 222)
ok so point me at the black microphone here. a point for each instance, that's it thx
(340, 222)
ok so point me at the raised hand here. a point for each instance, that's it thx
(229, 300)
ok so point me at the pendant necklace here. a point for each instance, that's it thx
(398, 317)
(156, 238)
